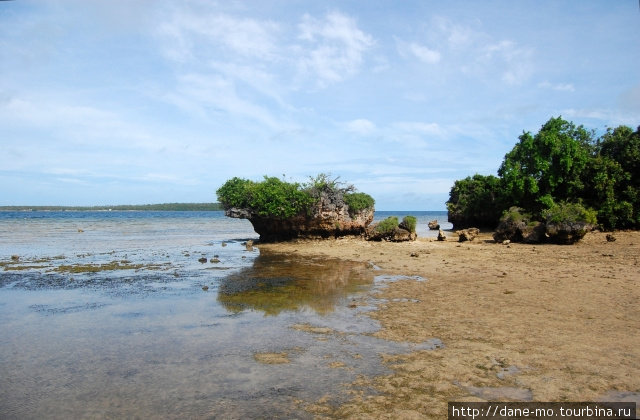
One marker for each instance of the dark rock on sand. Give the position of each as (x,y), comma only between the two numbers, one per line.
(566,233)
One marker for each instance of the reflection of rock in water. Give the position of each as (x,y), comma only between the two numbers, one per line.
(277,283)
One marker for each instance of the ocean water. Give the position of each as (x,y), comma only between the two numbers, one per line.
(170,315)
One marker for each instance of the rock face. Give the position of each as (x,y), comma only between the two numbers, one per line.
(434,225)
(520,231)
(533,232)
(328,219)
(566,233)
(467,234)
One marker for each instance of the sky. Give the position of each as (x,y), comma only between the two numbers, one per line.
(156,101)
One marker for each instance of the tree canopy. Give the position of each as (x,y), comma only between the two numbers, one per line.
(562,163)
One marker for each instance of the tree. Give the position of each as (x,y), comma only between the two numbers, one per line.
(547,167)
(563,164)
(612,184)
(476,201)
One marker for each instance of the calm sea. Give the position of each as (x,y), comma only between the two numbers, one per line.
(169,315)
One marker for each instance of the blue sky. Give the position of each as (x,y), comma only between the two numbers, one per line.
(152,101)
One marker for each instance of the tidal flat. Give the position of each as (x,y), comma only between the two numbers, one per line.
(517,322)
(156,317)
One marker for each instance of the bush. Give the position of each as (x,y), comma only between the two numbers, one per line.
(358,202)
(568,222)
(409,223)
(276,198)
(388,225)
(570,213)
(273,197)
(236,192)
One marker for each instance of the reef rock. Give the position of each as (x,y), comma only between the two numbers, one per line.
(467,234)
(566,233)
(520,231)
(434,225)
(441,235)
(329,218)
(398,234)
(517,226)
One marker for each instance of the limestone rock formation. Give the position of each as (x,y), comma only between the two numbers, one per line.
(329,218)
(441,235)
(566,233)
(396,235)
(517,226)
(520,231)
(390,230)
(467,234)
(434,225)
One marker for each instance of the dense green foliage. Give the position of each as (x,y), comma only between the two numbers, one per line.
(569,213)
(476,201)
(546,167)
(273,197)
(562,163)
(125,207)
(409,223)
(358,201)
(387,225)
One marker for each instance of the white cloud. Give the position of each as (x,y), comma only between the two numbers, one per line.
(610,117)
(212,94)
(199,34)
(421,52)
(362,127)
(333,48)
(419,128)
(562,87)
(515,62)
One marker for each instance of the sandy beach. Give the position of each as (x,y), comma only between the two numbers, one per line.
(518,322)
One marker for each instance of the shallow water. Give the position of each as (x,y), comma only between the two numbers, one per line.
(108,316)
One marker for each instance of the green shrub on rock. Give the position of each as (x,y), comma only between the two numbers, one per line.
(358,201)
(409,223)
(275,198)
(570,213)
(518,226)
(567,223)
(387,226)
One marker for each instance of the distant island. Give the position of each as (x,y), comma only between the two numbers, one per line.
(126,207)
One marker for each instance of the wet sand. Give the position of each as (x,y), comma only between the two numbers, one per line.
(518,322)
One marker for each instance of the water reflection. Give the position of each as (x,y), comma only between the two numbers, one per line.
(277,283)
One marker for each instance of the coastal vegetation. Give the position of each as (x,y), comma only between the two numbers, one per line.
(390,230)
(273,197)
(387,225)
(562,174)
